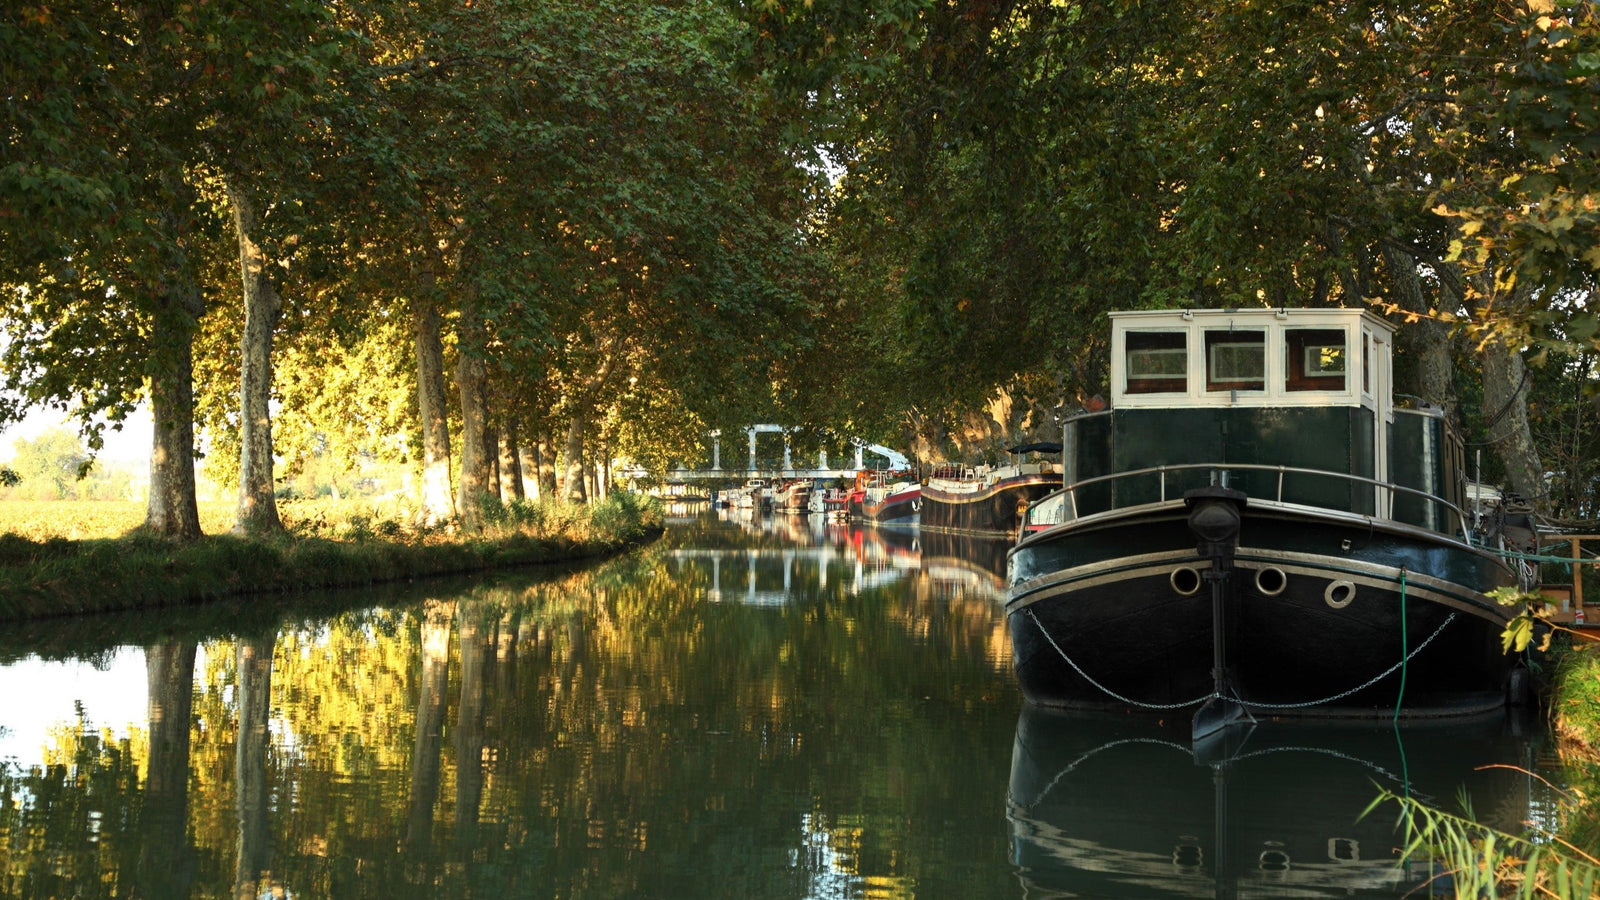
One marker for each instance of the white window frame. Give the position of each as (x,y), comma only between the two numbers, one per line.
(1263,375)
(1359,327)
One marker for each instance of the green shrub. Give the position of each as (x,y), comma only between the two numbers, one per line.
(1484,862)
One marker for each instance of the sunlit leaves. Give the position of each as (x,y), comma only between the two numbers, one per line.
(1526,208)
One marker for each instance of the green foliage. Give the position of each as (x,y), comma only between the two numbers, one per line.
(1526,209)
(52,464)
(1531,618)
(141,571)
(620,513)
(1577,687)
(1575,712)
(1483,862)
(673,218)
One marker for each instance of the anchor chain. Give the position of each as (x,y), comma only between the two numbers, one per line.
(1102,688)
(1250,703)
(1361,687)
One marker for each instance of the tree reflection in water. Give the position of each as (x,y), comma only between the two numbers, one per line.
(635,729)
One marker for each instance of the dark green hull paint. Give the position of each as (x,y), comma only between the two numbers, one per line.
(1423,456)
(1102,593)
(1336,439)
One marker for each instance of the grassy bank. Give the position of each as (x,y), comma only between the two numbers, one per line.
(45,573)
(1575,716)
(1556,856)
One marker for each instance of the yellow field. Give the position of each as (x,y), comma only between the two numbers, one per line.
(82,519)
(320,517)
(87,519)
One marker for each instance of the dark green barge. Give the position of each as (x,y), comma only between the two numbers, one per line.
(1256,526)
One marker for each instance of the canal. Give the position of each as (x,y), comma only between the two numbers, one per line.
(775,708)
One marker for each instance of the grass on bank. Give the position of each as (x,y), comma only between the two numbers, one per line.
(1575,716)
(1469,859)
(326,544)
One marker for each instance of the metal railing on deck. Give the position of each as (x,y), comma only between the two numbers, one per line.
(1063,505)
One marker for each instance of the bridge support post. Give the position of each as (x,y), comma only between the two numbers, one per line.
(752,433)
(716,452)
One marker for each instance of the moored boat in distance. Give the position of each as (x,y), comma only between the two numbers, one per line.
(832,502)
(985,499)
(886,498)
(793,497)
(754,495)
(1254,526)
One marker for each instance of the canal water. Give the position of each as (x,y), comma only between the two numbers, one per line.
(752,707)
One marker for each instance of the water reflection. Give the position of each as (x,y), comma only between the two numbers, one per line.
(750,708)
(617,731)
(786,557)
(1122,806)
(166,866)
(253,696)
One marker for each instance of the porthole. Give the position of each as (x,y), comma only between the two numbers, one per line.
(1185,581)
(1271,581)
(1339,594)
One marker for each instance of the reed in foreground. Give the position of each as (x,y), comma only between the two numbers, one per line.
(1474,860)
(58,576)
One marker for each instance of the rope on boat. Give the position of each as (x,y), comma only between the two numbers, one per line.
(1361,687)
(1539,557)
(1103,689)
(1241,701)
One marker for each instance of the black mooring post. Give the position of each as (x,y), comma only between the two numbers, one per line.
(1214,520)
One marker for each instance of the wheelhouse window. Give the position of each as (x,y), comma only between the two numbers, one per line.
(1317,359)
(1157,362)
(1236,360)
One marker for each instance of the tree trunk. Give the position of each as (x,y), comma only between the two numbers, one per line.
(438,504)
(511,465)
(505,656)
(530,469)
(528,457)
(429,728)
(171,509)
(574,461)
(165,864)
(472,381)
(491,452)
(547,468)
(477,654)
(253,672)
(1506,384)
(258,509)
(1425,344)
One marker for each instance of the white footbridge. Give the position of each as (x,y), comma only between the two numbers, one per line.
(883,457)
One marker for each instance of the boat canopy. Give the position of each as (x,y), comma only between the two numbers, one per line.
(1250,357)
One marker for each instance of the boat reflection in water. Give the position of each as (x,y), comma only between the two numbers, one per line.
(781,555)
(974,562)
(1111,805)
(861,558)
